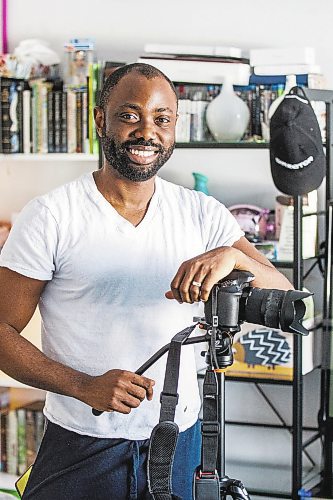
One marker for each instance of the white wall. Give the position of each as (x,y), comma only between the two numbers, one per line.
(121,28)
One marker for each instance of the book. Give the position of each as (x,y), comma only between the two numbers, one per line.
(21,441)
(11,442)
(85,140)
(308,80)
(26,106)
(287,69)
(50,121)
(40,89)
(195,57)
(204,50)
(57,120)
(71,121)
(34,421)
(4,408)
(281,56)
(63,123)
(3,439)
(187,71)
(79,123)
(11,115)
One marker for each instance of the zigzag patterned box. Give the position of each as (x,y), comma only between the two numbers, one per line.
(266,353)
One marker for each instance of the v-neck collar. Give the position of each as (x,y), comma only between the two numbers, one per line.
(123,225)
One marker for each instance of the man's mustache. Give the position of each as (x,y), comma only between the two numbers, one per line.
(141,142)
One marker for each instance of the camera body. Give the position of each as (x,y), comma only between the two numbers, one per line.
(233,301)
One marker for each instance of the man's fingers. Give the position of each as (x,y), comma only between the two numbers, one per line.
(185,286)
(176,282)
(207,286)
(150,393)
(142,381)
(144,384)
(196,287)
(137,391)
(131,401)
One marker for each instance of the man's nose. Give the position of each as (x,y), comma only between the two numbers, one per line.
(146,129)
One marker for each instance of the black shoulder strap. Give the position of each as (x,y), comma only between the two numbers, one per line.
(164,437)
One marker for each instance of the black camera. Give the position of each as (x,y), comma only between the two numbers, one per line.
(233,301)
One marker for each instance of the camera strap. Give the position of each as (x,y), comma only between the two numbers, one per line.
(163,440)
(210,426)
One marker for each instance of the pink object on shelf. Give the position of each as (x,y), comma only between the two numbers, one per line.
(4,27)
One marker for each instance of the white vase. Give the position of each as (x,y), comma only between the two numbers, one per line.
(227,116)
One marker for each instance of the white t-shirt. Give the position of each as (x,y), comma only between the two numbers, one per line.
(104,305)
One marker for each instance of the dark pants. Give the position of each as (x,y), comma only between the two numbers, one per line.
(74,467)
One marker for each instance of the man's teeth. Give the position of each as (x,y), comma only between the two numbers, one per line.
(141,152)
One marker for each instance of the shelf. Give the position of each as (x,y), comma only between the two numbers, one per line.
(250,379)
(289,264)
(257,380)
(7,482)
(270,480)
(49,157)
(6,381)
(227,145)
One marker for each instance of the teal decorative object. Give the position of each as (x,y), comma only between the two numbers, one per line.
(200,182)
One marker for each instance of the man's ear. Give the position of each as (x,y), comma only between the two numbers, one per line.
(99,120)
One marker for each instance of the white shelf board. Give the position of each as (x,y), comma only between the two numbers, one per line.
(7,481)
(6,381)
(48,157)
(270,479)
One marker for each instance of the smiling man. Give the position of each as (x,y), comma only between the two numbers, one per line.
(100,256)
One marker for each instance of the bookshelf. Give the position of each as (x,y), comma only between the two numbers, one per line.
(5,159)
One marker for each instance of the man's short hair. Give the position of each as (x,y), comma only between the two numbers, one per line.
(146,70)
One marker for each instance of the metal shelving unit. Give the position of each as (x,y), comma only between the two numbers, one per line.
(325,424)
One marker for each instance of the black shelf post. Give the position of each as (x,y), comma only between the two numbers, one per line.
(297,447)
(325,416)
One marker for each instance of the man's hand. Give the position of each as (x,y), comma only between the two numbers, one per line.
(205,269)
(196,277)
(117,390)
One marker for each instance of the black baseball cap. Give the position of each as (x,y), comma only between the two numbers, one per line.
(297,157)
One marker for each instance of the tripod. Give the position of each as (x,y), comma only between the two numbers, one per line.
(210,480)
(231,302)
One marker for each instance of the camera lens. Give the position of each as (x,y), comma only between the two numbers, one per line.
(274,308)
(263,307)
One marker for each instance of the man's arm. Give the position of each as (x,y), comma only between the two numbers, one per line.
(117,390)
(208,268)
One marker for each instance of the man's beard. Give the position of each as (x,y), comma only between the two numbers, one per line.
(116,156)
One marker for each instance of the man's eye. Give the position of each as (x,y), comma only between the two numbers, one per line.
(164,120)
(128,116)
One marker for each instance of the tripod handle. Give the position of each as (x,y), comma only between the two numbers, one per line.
(159,354)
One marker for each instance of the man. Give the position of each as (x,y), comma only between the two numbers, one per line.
(98,255)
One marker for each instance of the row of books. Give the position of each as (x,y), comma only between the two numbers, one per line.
(42,116)
(194,99)
(45,116)
(21,434)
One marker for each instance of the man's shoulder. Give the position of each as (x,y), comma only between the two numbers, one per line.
(68,192)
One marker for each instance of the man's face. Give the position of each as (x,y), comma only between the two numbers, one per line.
(138,129)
